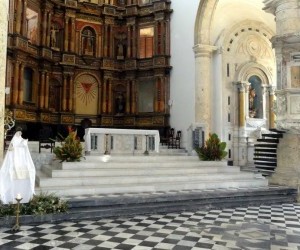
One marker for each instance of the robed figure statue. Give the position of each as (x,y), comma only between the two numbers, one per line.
(17,174)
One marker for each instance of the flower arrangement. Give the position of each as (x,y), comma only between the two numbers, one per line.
(213,150)
(71,149)
(40,204)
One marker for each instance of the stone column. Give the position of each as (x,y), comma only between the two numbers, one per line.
(3,56)
(247,86)
(105,40)
(271,107)
(242,117)
(203,94)
(264,101)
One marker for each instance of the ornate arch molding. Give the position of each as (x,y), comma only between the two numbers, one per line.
(246,28)
(204,19)
(245,71)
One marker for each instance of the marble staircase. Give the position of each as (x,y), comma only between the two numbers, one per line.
(130,174)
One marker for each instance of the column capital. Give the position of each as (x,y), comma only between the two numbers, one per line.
(204,50)
(271,89)
(242,86)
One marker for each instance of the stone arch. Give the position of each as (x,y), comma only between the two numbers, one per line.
(203,21)
(245,71)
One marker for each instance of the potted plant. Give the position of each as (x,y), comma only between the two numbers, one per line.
(70,149)
(213,150)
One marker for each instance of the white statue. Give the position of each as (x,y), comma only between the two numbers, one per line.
(17,174)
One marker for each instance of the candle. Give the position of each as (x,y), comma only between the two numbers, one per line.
(19,197)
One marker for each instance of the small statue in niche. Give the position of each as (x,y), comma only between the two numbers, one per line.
(252,110)
(120,54)
(120,104)
(53,32)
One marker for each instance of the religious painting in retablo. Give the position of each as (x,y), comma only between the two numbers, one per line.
(86,95)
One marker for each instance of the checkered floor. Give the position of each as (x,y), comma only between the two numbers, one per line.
(274,227)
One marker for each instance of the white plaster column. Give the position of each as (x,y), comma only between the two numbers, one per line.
(247,86)
(3,55)
(203,55)
(264,101)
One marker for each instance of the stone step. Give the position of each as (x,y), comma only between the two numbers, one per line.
(140,158)
(50,171)
(151,187)
(76,166)
(138,179)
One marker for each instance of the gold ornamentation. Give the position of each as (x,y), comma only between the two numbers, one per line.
(68,119)
(9,122)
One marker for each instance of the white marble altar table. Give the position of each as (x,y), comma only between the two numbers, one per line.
(121,132)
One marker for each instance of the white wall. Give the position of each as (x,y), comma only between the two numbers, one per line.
(182,85)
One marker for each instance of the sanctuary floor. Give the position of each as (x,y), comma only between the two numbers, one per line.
(275,227)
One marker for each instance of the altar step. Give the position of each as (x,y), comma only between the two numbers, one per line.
(125,174)
(129,204)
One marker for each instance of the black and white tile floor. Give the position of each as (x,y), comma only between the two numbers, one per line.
(274,227)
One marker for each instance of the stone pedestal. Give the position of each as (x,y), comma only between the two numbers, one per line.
(288,159)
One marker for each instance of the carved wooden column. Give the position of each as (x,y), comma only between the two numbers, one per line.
(271,107)
(73,39)
(111,47)
(104,100)
(129,41)
(128,97)
(49,30)
(99,98)
(156,91)
(44,27)
(110,97)
(66,37)
(42,90)
(15,91)
(46,105)
(24,19)
(134,35)
(162,37)
(21,85)
(19,16)
(156,34)
(64,101)
(71,97)
(133,100)
(105,40)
